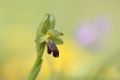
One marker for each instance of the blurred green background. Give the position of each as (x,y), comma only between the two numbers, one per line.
(19,20)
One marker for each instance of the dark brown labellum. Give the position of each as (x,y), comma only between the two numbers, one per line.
(51,47)
(56,53)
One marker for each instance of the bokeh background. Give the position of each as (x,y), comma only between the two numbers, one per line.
(19,20)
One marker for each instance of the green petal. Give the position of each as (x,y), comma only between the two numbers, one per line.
(58,41)
(55,32)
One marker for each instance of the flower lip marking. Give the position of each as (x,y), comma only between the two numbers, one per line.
(51,47)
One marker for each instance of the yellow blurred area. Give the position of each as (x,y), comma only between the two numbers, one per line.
(22,53)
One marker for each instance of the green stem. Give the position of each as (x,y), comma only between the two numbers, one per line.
(37,66)
(35,69)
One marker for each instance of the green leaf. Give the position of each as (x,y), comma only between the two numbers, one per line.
(58,41)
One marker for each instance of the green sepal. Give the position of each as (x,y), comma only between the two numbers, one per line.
(48,22)
(40,38)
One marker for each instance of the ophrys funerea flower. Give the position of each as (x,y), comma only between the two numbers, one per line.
(45,35)
(53,38)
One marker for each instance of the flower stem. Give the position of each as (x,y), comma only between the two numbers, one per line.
(37,66)
(35,69)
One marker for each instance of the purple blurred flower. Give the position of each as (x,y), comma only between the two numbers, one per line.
(92,34)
